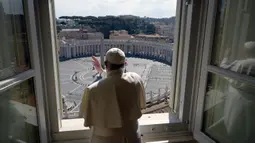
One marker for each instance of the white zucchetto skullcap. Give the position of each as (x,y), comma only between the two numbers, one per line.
(115,56)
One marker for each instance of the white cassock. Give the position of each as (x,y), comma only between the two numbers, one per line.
(239,112)
(112,106)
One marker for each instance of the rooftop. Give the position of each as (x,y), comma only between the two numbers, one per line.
(150,36)
(69,30)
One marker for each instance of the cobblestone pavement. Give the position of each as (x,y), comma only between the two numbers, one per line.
(77,74)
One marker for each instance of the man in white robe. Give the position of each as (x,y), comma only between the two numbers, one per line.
(112,106)
(239,112)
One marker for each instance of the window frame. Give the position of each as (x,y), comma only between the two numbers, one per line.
(187,71)
(177,37)
(48,57)
(38,84)
(191,60)
(207,46)
(208,68)
(33,73)
(186,42)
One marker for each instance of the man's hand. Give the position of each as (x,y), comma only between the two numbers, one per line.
(97,64)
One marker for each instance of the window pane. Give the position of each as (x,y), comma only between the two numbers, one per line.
(229,110)
(234,43)
(14,51)
(18,120)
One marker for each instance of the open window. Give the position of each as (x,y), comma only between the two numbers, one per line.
(21,92)
(226,102)
(156,58)
(147,43)
(174,125)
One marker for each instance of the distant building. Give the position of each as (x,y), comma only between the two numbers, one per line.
(120,35)
(165,30)
(89,28)
(95,35)
(154,37)
(81,34)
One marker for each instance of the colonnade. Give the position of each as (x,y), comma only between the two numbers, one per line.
(132,48)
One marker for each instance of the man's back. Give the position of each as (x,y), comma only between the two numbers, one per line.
(112,105)
(128,87)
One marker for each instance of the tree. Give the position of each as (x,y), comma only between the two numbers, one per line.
(150,29)
(63,23)
(64,17)
(90,17)
(104,24)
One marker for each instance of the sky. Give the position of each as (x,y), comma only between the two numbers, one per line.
(148,8)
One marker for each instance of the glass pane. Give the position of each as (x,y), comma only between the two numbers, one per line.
(234,43)
(14,51)
(229,110)
(18,120)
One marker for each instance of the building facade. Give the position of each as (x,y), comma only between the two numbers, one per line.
(120,35)
(146,49)
(153,38)
(81,34)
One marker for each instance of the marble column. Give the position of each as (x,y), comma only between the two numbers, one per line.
(165,54)
(86,50)
(75,51)
(102,51)
(90,52)
(64,51)
(141,48)
(83,50)
(136,51)
(93,49)
(78,50)
(149,50)
(153,50)
(72,52)
(67,52)
(80,53)
(125,48)
(144,50)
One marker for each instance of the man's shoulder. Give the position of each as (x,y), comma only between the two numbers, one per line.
(133,74)
(93,85)
(98,84)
